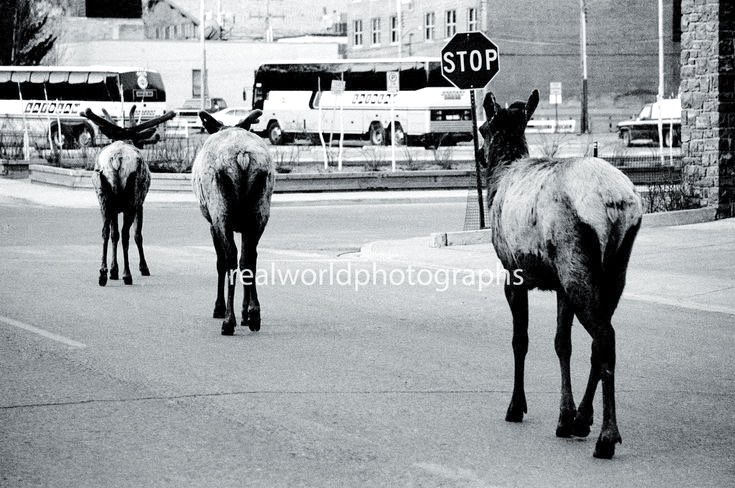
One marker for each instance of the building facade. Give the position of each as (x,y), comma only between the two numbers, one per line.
(243,19)
(539,42)
(96,20)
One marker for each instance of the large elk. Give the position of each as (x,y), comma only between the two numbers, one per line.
(121,179)
(569,226)
(233,177)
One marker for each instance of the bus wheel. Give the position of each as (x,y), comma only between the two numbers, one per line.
(84,136)
(400,135)
(275,134)
(59,140)
(627,140)
(376,134)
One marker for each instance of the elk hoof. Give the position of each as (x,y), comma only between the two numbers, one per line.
(581,424)
(103,278)
(565,427)
(516,409)
(113,274)
(253,321)
(128,280)
(605,447)
(144,270)
(228,327)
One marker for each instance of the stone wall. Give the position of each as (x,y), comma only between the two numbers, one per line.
(708,102)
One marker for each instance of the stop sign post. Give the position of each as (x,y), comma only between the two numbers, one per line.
(469,61)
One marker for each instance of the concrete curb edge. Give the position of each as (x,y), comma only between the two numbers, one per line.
(659,219)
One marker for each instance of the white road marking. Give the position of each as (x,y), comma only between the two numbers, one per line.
(681,303)
(41,332)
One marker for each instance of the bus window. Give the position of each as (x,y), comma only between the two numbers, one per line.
(8,89)
(76,88)
(31,90)
(113,89)
(56,87)
(97,88)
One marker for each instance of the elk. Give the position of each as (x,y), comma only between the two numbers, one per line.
(569,226)
(233,177)
(121,179)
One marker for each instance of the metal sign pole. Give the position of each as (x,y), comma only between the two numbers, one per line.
(341,129)
(321,132)
(477,162)
(392,81)
(470,61)
(393,138)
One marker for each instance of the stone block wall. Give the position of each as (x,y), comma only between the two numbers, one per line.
(708,102)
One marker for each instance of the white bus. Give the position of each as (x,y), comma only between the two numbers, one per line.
(296,101)
(46,101)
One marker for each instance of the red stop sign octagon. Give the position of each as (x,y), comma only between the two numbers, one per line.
(469,60)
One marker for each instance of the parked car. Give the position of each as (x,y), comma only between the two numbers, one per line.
(188,114)
(645,125)
(232,115)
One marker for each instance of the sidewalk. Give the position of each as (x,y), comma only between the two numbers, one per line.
(688,266)
(57,196)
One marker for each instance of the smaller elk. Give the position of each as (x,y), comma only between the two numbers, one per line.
(121,179)
(233,177)
(569,226)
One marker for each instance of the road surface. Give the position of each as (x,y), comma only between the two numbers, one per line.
(384,386)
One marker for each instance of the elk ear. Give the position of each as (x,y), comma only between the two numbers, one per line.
(531,104)
(131,116)
(211,125)
(252,118)
(489,105)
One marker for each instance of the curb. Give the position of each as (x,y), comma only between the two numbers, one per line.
(285,183)
(679,217)
(659,219)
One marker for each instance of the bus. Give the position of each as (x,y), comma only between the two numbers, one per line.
(45,101)
(296,100)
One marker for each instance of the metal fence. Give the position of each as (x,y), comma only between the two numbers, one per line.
(644,171)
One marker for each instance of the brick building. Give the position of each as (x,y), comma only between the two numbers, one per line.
(538,41)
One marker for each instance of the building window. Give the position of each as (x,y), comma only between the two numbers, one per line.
(451,23)
(429,26)
(394,29)
(357,33)
(472,24)
(375,30)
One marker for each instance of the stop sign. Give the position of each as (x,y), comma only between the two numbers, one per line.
(469,60)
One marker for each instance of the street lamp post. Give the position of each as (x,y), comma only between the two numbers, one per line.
(584,122)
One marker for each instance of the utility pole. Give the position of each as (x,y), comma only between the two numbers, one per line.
(268,25)
(203,88)
(584,125)
(483,13)
(399,27)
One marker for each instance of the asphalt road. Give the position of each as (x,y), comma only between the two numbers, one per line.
(385,386)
